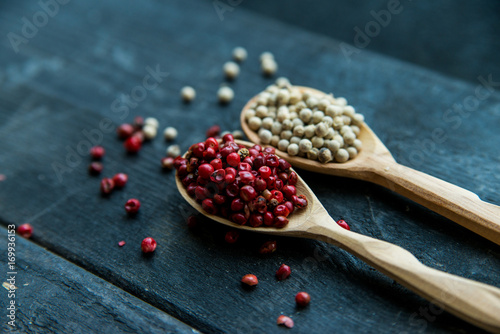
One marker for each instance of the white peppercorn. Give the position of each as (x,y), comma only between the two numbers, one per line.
(261,111)
(294,115)
(293,110)
(297,121)
(352,152)
(323,103)
(274,140)
(293,149)
(332,145)
(295,96)
(231,70)
(349,111)
(263,98)
(287,134)
(317,116)
(338,122)
(302,154)
(265,136)
(349,137)
(272,89)
(306,95)
(283,145)
(283,82)
(238,134)
(152,121)
(342,155)
(321,129)
(344,129)
(339,139)
(298,130)
(358,118)
(283,113)
(225,94)
(330,133)
(327,120)
(266,55)
(325,155)
(309,131)
(305,145)
(269,66)
(254,123)
(149,131)
(249,113)
(312,102)
(283,96)
(295,140)
(170,133)
(305,115)
(267,123)
(239,54)
(333,110)
(188,93)
(357,144)
(347,119)
(313,154)
(317,142)
(355,129)
(340,101)
(287,124)
(300,105)
(276,128)
(173,151)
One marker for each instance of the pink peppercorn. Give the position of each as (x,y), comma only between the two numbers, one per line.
(25,230)
(133,144)
(250,280)
(121,243)
(95,168)
(231,237)
(107,186)
(283,320)
(343,224)
(283,272)
(268,247)
(213,131)
(97,152)
(120,180)
(148,245)
(124,131)
(132,206)
(302,299)
(192,221)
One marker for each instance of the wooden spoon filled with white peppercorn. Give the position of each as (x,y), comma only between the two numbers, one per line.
(472,301)
(373,162)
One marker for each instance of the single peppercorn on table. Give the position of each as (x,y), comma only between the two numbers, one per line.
(82,270)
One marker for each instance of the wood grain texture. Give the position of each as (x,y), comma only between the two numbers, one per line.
(66,79)
(54,296)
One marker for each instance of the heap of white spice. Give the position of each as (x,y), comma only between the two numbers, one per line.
(314,126)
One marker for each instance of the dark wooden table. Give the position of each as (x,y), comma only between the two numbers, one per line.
(80,74)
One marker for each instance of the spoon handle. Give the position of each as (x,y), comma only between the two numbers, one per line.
(475,302)
(455,203)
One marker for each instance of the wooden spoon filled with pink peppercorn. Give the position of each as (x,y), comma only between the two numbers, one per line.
(230,201)
(371,161)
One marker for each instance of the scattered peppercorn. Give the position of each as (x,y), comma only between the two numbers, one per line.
(132,144)
(343,224)
(225,94)
(283,272)
(132,206)
(95,168)
(148,245)
(120,180)
(268,247)
(25,230)
(170,133)
(124,131)
(213,131)
(173,151)
(167,163)
(192,221)
(231,70)
(107,186)
(302,299)
(283,320)
(250,280)
(232,236)
(121,243)
(239,54)
(151,121)
(97,152)
(188,93)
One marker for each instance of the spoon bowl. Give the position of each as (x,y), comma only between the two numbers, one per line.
(472,301)
(374,163)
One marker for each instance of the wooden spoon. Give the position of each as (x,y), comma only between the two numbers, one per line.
(472,301)
(375,164)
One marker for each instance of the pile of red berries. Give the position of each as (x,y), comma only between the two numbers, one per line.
(248,186)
